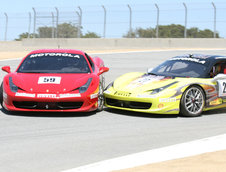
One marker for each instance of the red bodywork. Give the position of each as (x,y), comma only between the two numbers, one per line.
(64,97)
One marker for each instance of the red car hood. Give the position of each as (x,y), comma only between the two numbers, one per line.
(51,83)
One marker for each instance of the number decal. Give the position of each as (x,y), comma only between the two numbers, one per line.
(224,89)
(49,80)
(52,80)
(221,88)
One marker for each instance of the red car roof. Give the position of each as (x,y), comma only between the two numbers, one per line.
(57,51)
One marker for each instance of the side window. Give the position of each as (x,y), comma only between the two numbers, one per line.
(90,62)
(217,69)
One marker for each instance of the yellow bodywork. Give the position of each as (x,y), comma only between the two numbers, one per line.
(162,93)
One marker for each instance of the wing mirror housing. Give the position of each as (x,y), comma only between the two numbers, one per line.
(6,69)
(102,70)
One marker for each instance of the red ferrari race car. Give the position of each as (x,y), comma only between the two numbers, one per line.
(54,80)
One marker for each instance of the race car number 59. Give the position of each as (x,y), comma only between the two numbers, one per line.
(49,80)
(222,88)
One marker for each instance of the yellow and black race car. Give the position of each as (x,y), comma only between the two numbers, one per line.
(187,84)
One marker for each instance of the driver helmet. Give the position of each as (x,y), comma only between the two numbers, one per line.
(216,69)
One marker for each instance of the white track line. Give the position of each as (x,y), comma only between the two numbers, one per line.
(182,150)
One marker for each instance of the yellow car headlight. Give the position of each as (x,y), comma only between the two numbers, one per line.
(157,90)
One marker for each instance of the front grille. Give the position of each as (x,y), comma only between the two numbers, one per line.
(47,105)
(69,105)
(128,104)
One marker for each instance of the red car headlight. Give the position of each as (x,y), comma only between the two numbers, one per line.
(12,86)
(84,88)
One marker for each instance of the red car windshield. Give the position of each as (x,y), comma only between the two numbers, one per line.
(54,63)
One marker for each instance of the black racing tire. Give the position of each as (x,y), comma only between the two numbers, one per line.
(192,101)
(1,95)
(100,102)
(1,101)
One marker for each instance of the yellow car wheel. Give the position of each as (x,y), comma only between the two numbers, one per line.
(192,102)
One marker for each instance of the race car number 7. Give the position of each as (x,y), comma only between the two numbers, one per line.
(222,88)
(49,80)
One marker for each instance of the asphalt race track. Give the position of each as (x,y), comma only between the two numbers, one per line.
(60,141)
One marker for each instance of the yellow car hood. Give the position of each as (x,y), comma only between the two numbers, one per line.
(137,82)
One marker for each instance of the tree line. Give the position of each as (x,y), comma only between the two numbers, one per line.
(171,31)
(67,30)
(64,30)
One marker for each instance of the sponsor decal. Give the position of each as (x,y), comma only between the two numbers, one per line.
(125,94)
(69,95)
(168,99)
(144,80)
(58,96)
(24,95)
(190,59)
(201,56)
(216,102)
(46,96)
(49,80)
(55,54)
(93,96)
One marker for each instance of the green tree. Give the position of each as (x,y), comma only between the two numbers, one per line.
(90,35)
(25,35)
(145,33)
(171,31)
(192,32)
(67,30)
(45,32)
(206,34)
(133,34)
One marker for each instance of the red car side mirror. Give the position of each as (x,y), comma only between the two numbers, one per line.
(102,70)
(6,69)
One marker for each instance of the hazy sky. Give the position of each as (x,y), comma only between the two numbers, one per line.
(144,15)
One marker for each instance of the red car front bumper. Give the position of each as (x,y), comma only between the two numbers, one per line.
(43,102)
